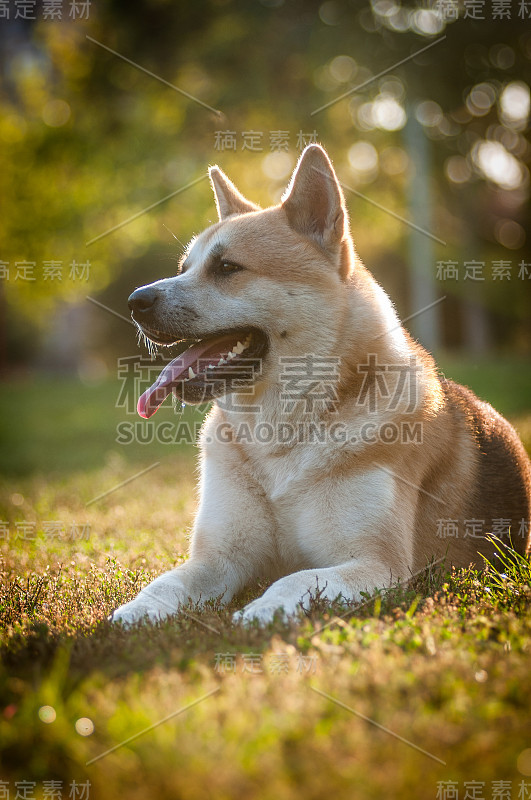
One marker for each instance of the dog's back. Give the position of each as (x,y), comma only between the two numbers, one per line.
(484,472)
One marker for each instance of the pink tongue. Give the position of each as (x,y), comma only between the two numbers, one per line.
(177,370)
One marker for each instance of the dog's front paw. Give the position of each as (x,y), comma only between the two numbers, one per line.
(155,603)
(263,612)
(139,610)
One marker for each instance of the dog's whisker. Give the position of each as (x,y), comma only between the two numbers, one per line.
(143,339)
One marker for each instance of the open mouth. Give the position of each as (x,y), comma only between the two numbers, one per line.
(216,365)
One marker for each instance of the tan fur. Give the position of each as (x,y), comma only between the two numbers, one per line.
(345,517)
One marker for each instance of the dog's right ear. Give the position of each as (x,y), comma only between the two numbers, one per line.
(228,199)
(313,202)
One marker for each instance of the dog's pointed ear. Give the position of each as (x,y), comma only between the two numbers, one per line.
(228,199)
(313,202)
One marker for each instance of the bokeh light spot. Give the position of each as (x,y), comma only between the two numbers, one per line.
(457,169)
(509,233)
(515,103)
(56,113)
(497,164)
(84,726)
(277,165)
(523,762)
(47,714)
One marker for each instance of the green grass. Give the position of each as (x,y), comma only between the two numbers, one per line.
(442,662)
(59,425)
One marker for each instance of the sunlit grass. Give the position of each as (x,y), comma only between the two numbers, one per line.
(442,662)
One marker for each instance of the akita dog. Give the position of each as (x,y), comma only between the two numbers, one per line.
(335,459)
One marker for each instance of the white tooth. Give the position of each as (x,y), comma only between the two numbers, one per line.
(221,361)
(230,356)
(191,373)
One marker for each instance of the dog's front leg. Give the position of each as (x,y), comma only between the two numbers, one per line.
(292,594)
(229,547)
(365,543)
(192,583)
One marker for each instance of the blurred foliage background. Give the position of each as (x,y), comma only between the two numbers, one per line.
(89,140)
(109,118)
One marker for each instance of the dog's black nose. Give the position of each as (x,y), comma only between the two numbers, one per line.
(142,300)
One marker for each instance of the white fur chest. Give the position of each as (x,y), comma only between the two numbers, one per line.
(318,518)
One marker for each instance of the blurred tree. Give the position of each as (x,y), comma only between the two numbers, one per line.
(89,140)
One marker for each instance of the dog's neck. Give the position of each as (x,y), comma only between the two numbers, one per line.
(369,338)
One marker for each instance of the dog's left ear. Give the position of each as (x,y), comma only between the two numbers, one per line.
(314,202)
(228,199)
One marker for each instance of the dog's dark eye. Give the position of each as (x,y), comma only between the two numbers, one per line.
(227,268)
